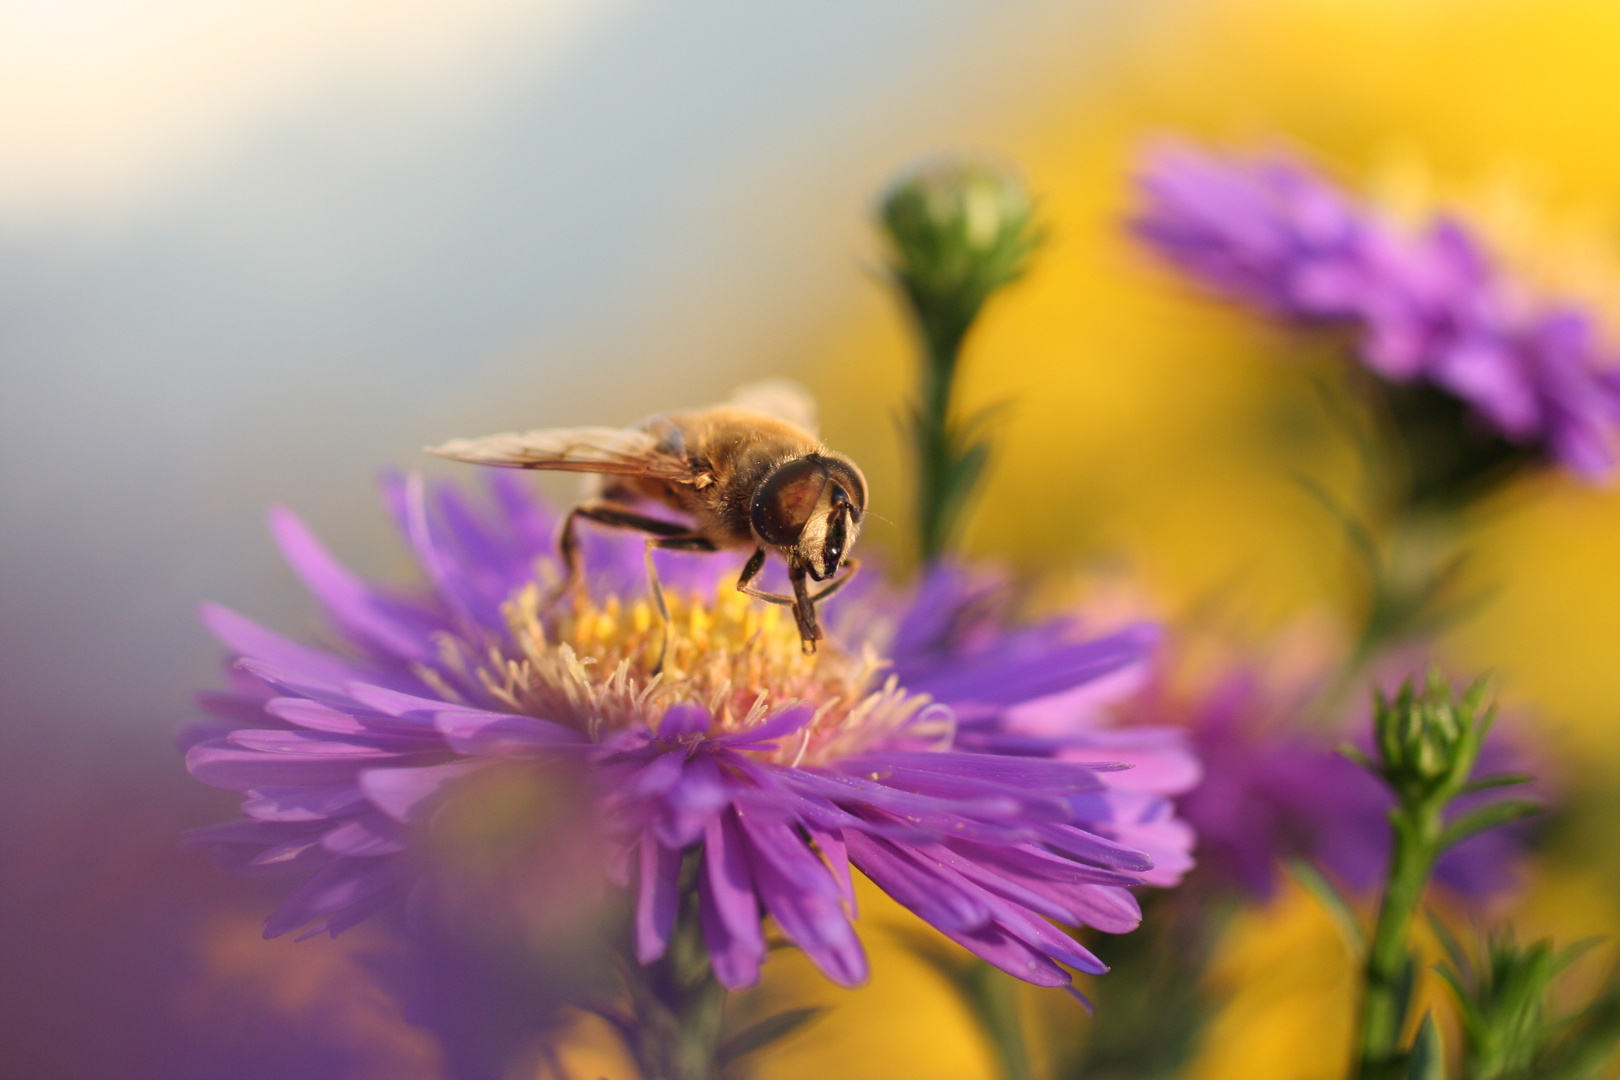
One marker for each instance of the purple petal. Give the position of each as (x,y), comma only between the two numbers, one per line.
(341,884)
(831,846)
(657,899)
(364,837)
(1034,774)
(1033,865)
(994,945)
(692,804)
(220,764)
(684,719)
(1005,904)
(1088,901)
(474,611)
(356,608)
(1005,888)
(658,776)
(1079,844)
(933,900)
(928,811)
(304,803)
(800,894)
(533,527)
(470,730)
(782,724)
(403,793)
(248,639)
(988,800)
(994,681)
(729,910)
(356,720)
(316,743)
(490,734)
(294,685)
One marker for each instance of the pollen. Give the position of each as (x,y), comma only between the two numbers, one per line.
(591,663)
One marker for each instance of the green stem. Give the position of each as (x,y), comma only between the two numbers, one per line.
(1411,566)
(678,1002)
(1389,972)
(994,996)
(935,441)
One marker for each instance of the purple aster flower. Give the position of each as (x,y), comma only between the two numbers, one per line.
(774,774)
(1429,308)
(1275,791)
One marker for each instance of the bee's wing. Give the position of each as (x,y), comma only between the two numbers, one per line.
(781,398)
(619,451)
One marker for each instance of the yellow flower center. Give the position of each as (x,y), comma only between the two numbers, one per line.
(591,665)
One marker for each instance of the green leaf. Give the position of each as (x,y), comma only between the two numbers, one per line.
(1355,754)
(1329,896)
(975,424)
(1575,950)
(1427,1060)
(1487,817)
(1404,987)
(1497,781)
(760,1035)
(1454,949)
(1361,538)
(1590,1044)
(965,471)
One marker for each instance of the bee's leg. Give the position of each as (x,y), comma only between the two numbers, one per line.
(801,602)
(851,566)
(751,569)
(804,608)
(606,513)
(687,542)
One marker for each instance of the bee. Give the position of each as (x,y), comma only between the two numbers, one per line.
(747,473)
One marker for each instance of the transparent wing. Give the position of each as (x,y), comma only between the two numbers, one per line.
(781,398)
(619,451)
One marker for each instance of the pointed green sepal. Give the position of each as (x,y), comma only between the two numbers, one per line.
(1487,817)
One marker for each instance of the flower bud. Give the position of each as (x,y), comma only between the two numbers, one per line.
(1429,739)
(958,229)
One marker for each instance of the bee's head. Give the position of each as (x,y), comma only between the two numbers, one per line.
(810,508)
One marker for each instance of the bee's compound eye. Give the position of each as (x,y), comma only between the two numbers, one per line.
(849,486)
(785,501)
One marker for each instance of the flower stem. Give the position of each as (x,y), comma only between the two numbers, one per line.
(994,997)
(940,496)
(957,231)
(1427,742)
(678,1003)
(1389,969)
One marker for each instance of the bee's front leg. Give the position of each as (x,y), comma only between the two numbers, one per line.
(802,600)
(852,566)
(750,570)
(804,607)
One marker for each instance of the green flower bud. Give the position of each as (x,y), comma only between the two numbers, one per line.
(1428,739)
(957,230)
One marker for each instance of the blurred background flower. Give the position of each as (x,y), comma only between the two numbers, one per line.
(250,254)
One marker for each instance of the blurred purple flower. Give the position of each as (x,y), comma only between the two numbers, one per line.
(1273,792)
(1272,232)
(784,770)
